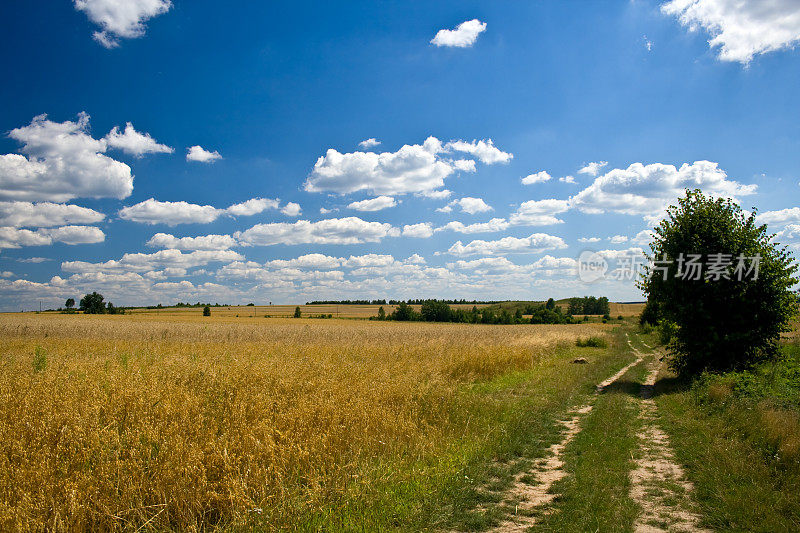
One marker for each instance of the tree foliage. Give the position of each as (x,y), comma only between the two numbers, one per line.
(720,324)
(92,304)
(589,305)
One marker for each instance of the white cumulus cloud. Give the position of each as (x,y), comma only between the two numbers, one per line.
(535,243)
(61,161)
(779,217)
(201,155)
(647,189)
(253,206)
(468,205)
(413,168)
(46,214)
(291,209)
(135,143)
(539,212)
(373,204)
(369,143)
(121,18)
(152,211)
(539,177)
(463,36)
(741,29)
(484,150)
(493,226)
(203,242)
(17,238)
(593,169)
(349,230)
(423,230)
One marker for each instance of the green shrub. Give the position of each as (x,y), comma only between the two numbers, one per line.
(591,342)
(39,360)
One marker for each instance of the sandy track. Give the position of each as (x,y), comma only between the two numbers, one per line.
(524,496)
(658,483)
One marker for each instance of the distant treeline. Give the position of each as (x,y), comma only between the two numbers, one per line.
(588,305)
(440,311)
(396,302)
(180,304)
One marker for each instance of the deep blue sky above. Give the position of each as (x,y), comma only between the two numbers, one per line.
(273,86)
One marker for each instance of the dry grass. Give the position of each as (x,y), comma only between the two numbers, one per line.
(186,423)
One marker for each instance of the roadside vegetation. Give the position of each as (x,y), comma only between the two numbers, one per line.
(732,402)
(738,433)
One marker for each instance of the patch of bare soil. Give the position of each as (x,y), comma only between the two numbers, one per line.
(658,483)
(531,493)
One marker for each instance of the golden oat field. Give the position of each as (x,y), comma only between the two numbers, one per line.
(150,422)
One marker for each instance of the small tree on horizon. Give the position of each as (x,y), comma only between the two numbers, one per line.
(70,303)
(207,311)
(722,322)
(297,313)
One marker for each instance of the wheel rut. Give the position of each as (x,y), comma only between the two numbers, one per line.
(658,483)
(531,490)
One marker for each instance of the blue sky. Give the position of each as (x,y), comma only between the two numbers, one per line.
(609,109)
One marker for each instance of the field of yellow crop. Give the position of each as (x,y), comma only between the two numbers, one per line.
(164,422)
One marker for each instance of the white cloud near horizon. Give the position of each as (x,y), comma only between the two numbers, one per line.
(741,29)
(463,36)
(143,262)
(201,155)
(121,19)
(349,230)
(535,243)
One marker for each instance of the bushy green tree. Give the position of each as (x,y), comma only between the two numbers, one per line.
(92,304)
(207,311)
(404,312)
(435,311)
(297,313)
(727,322)
(70,303)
